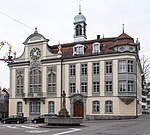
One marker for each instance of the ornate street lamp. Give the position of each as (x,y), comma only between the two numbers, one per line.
(10,55)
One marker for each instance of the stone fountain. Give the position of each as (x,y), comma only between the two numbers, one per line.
(63,118)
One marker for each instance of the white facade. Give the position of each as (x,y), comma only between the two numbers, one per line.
(101,81)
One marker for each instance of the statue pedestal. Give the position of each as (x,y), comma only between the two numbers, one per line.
(63,113)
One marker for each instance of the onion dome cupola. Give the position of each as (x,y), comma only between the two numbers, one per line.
(80,27)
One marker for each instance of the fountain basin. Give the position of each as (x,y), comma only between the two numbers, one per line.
(64,121)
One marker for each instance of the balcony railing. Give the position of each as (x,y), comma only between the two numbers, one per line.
(34,95)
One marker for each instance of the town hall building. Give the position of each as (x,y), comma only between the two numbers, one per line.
(101,77)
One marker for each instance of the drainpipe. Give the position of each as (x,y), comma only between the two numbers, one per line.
(136,88)
(61,80)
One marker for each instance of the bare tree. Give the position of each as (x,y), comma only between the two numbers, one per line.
(145,63)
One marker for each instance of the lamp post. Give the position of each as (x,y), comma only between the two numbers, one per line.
(10,55)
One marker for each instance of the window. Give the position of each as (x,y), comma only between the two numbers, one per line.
(122,86)
(78,30)
(122,66)
(19,107)
(35,79)
(72,87)
(95,68)
(96,48)
(96,107)
(83,69)
(121,49)
(130,66)
(108,107)
(51,107)
(51,83)
(84,87)
(78,49)
(34,107)
(109,67)
(108,86)
(72,70)
(130,86)
(95,87)
(19,82)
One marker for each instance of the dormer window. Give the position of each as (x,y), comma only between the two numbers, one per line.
(78,49)
(96,48)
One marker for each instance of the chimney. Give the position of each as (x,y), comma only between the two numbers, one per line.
(98,37)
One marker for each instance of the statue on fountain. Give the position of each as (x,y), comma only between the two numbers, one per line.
(63,112)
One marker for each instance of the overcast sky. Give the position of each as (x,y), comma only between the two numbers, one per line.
(54,19)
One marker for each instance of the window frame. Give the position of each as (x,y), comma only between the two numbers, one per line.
(19,107)
(84,69)
(108,67)
(72,69)
(51,107)
(84,87)
(34,107)
(96,87)
(122,86)
(96,47)
(96,106)
(108,87)
(108,106)
(96,68)
(72,88)
(78,49)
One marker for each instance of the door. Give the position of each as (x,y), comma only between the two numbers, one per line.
(78,109)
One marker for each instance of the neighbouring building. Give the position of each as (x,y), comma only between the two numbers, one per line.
(4,103)
(101,77)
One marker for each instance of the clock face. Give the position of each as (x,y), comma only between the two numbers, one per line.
(35,53)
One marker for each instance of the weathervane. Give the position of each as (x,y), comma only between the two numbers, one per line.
(79,6)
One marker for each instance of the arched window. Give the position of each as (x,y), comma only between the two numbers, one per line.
(51,80)
(19,107)
(51,107)
(96,47)
(35,81)
(78,30)
(108,106)
(96,107)
(19,82)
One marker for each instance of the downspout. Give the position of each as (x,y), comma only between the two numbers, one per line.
(61,79)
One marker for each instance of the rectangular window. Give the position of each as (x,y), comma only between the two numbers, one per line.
(108,87)
(83,69)
(72,70)
(72,87)
(122,66)
(108,67)
(130,66)
(130,86)
(95,87)
(84,87)
(34,107)
(122,86)
(95,68)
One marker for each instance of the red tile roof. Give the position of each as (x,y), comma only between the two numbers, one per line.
(107,45)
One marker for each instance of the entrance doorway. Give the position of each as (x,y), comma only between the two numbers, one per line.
(78,109)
